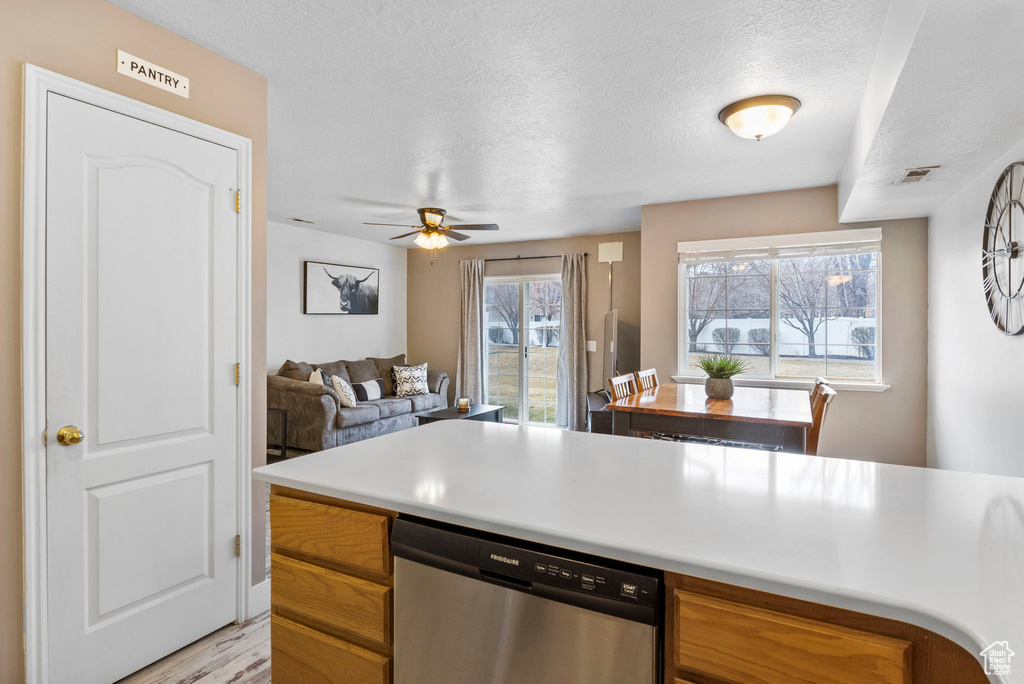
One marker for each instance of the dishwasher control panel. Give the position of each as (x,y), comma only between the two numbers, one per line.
(573,575)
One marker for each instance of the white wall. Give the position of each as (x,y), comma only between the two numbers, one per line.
(318,339)
(975,373)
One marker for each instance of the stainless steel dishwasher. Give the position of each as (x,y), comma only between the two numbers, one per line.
(475,609)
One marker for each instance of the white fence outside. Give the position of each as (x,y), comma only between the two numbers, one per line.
(498,333)
(792,342)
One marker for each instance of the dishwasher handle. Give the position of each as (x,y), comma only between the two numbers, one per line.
(506,581)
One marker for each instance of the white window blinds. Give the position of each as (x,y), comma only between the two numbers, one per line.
(835,242)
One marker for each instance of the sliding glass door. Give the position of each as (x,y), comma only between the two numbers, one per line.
(522,319)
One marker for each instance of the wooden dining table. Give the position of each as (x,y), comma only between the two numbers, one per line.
(758,415)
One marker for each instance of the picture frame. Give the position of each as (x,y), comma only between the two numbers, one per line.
(330,289)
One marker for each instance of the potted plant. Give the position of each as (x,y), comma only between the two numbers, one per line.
(720,370)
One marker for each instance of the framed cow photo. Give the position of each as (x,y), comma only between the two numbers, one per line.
(339,289)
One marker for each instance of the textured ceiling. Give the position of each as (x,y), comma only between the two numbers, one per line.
(549,118)
(957,104)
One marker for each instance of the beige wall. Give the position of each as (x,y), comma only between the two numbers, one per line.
(79,38)
(887,427)
(433,331)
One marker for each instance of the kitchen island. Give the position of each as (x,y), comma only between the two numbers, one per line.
(915,570)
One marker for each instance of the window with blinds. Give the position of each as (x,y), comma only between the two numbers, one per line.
(794,306)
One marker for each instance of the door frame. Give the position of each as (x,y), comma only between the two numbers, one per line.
(523,408)
(38,83)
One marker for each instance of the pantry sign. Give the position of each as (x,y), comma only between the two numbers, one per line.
(147,72)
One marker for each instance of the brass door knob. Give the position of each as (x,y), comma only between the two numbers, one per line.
(68,435)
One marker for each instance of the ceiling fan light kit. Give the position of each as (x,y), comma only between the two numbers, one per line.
(758,117)
(430,234)
(431,240)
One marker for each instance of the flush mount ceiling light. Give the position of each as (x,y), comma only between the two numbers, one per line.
(761,116)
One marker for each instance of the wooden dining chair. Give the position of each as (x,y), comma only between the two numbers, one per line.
(818,413)
(816,392)
(622,386)
(647,379)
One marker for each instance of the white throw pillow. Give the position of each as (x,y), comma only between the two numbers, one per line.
(316,377)
(346,394)
(410,381)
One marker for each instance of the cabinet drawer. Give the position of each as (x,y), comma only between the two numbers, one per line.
(300,655)
(348,603)
(751,645)
(354,538)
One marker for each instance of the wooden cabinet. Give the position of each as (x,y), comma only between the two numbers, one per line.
(330,590)
(723,634)
(300,655)
(739,642)
(326,531)
(352,605)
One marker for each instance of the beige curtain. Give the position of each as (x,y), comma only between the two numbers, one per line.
(471,377)
(571,387)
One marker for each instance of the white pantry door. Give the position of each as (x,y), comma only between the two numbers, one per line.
(140,351)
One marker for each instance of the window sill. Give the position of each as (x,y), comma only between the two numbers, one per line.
(778,383)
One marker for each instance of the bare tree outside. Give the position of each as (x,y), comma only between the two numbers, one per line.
(503,300)
(705,296)
(802,298)
(814,290)
(546,301)
(826,310)
(852,282)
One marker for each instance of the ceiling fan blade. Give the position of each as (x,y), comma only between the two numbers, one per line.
(397,225)
(375,203)
(457,236)
(477,226)
(399,237)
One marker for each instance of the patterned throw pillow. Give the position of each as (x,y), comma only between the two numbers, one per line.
(369,390)
(346,395)
(318,377)
(410,380)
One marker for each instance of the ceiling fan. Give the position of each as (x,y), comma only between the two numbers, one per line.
(431,233)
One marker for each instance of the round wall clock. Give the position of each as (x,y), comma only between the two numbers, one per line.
(1002,251)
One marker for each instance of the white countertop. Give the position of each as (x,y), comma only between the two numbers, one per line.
(940,549)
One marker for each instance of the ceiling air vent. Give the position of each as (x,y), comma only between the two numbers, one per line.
(300,220)
(914,175)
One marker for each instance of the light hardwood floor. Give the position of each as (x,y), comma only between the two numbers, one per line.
(239,654)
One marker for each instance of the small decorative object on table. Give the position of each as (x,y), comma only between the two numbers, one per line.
(484,413)
(463,403)
(720,370)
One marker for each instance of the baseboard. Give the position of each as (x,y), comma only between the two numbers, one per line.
(259,598)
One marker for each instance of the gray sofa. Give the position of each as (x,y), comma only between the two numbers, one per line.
(316,419)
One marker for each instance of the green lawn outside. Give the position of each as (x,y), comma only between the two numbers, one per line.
(503,381)
(804,367)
